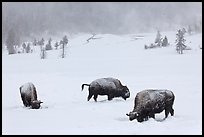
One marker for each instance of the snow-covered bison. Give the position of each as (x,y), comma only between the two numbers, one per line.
(107,86)
(151,101)
(29,96)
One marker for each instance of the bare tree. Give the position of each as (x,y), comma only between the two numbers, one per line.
(92,37)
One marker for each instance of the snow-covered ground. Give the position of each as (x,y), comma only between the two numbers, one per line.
(66,110)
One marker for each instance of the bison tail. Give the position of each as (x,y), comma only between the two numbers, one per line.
(82,86)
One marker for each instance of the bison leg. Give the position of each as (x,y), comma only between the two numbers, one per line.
(89,97)
(95,97)
(166,113)
(152,115)
(172,111)
(146,118)
(110,97)
(25,103)
(167,110)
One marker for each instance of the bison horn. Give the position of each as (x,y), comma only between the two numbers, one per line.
(128,114)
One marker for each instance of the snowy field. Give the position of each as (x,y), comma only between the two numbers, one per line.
(66,110)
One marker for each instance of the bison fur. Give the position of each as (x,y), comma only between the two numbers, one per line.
(149,102)
(107,86)
(29,96)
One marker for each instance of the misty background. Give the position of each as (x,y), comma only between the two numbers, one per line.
(33,18)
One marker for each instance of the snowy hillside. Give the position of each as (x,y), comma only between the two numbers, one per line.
(66,110)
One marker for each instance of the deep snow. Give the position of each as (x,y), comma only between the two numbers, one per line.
(66,110)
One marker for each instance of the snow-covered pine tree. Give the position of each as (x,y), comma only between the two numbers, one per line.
(28,48)
(43,53)
(35,42)
(41,42)
(158,39)
(24,47)
(165,42)
(48,45)
(180,46)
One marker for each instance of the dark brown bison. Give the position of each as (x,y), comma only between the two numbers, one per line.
(107,86)
(149,102)
(29,96)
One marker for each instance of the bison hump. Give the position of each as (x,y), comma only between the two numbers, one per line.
(147,96)
(104,83)
(156,94)
(27,88)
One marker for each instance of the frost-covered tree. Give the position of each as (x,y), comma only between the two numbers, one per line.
(165,42)
(56,45)
(64,42)
(184,30)
(158,39)
(180,46)
(24,47)
(41,42)
(43,53)
(28,48)
(11,40)
(189,30)
(35,42)
(48,45)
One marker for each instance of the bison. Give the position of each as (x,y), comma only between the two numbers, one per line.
(29,96)
(107,86)
(152,101)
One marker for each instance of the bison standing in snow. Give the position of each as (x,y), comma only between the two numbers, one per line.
(107,86)
(29,96)
(149,102)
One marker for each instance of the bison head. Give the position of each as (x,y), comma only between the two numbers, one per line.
(132,115)
(36,104)
(126,92)
(135,115)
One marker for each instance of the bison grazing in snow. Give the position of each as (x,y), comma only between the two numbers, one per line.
(149,102)
(107,86)
(29,96)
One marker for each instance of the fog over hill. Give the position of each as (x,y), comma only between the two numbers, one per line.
(97,17)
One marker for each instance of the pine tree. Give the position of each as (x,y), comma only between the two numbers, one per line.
(41,42)
(43,53)
(158,39)
(180,46)
(165,42)
(28,48)
(35,42)
(24,47)
(48,46)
